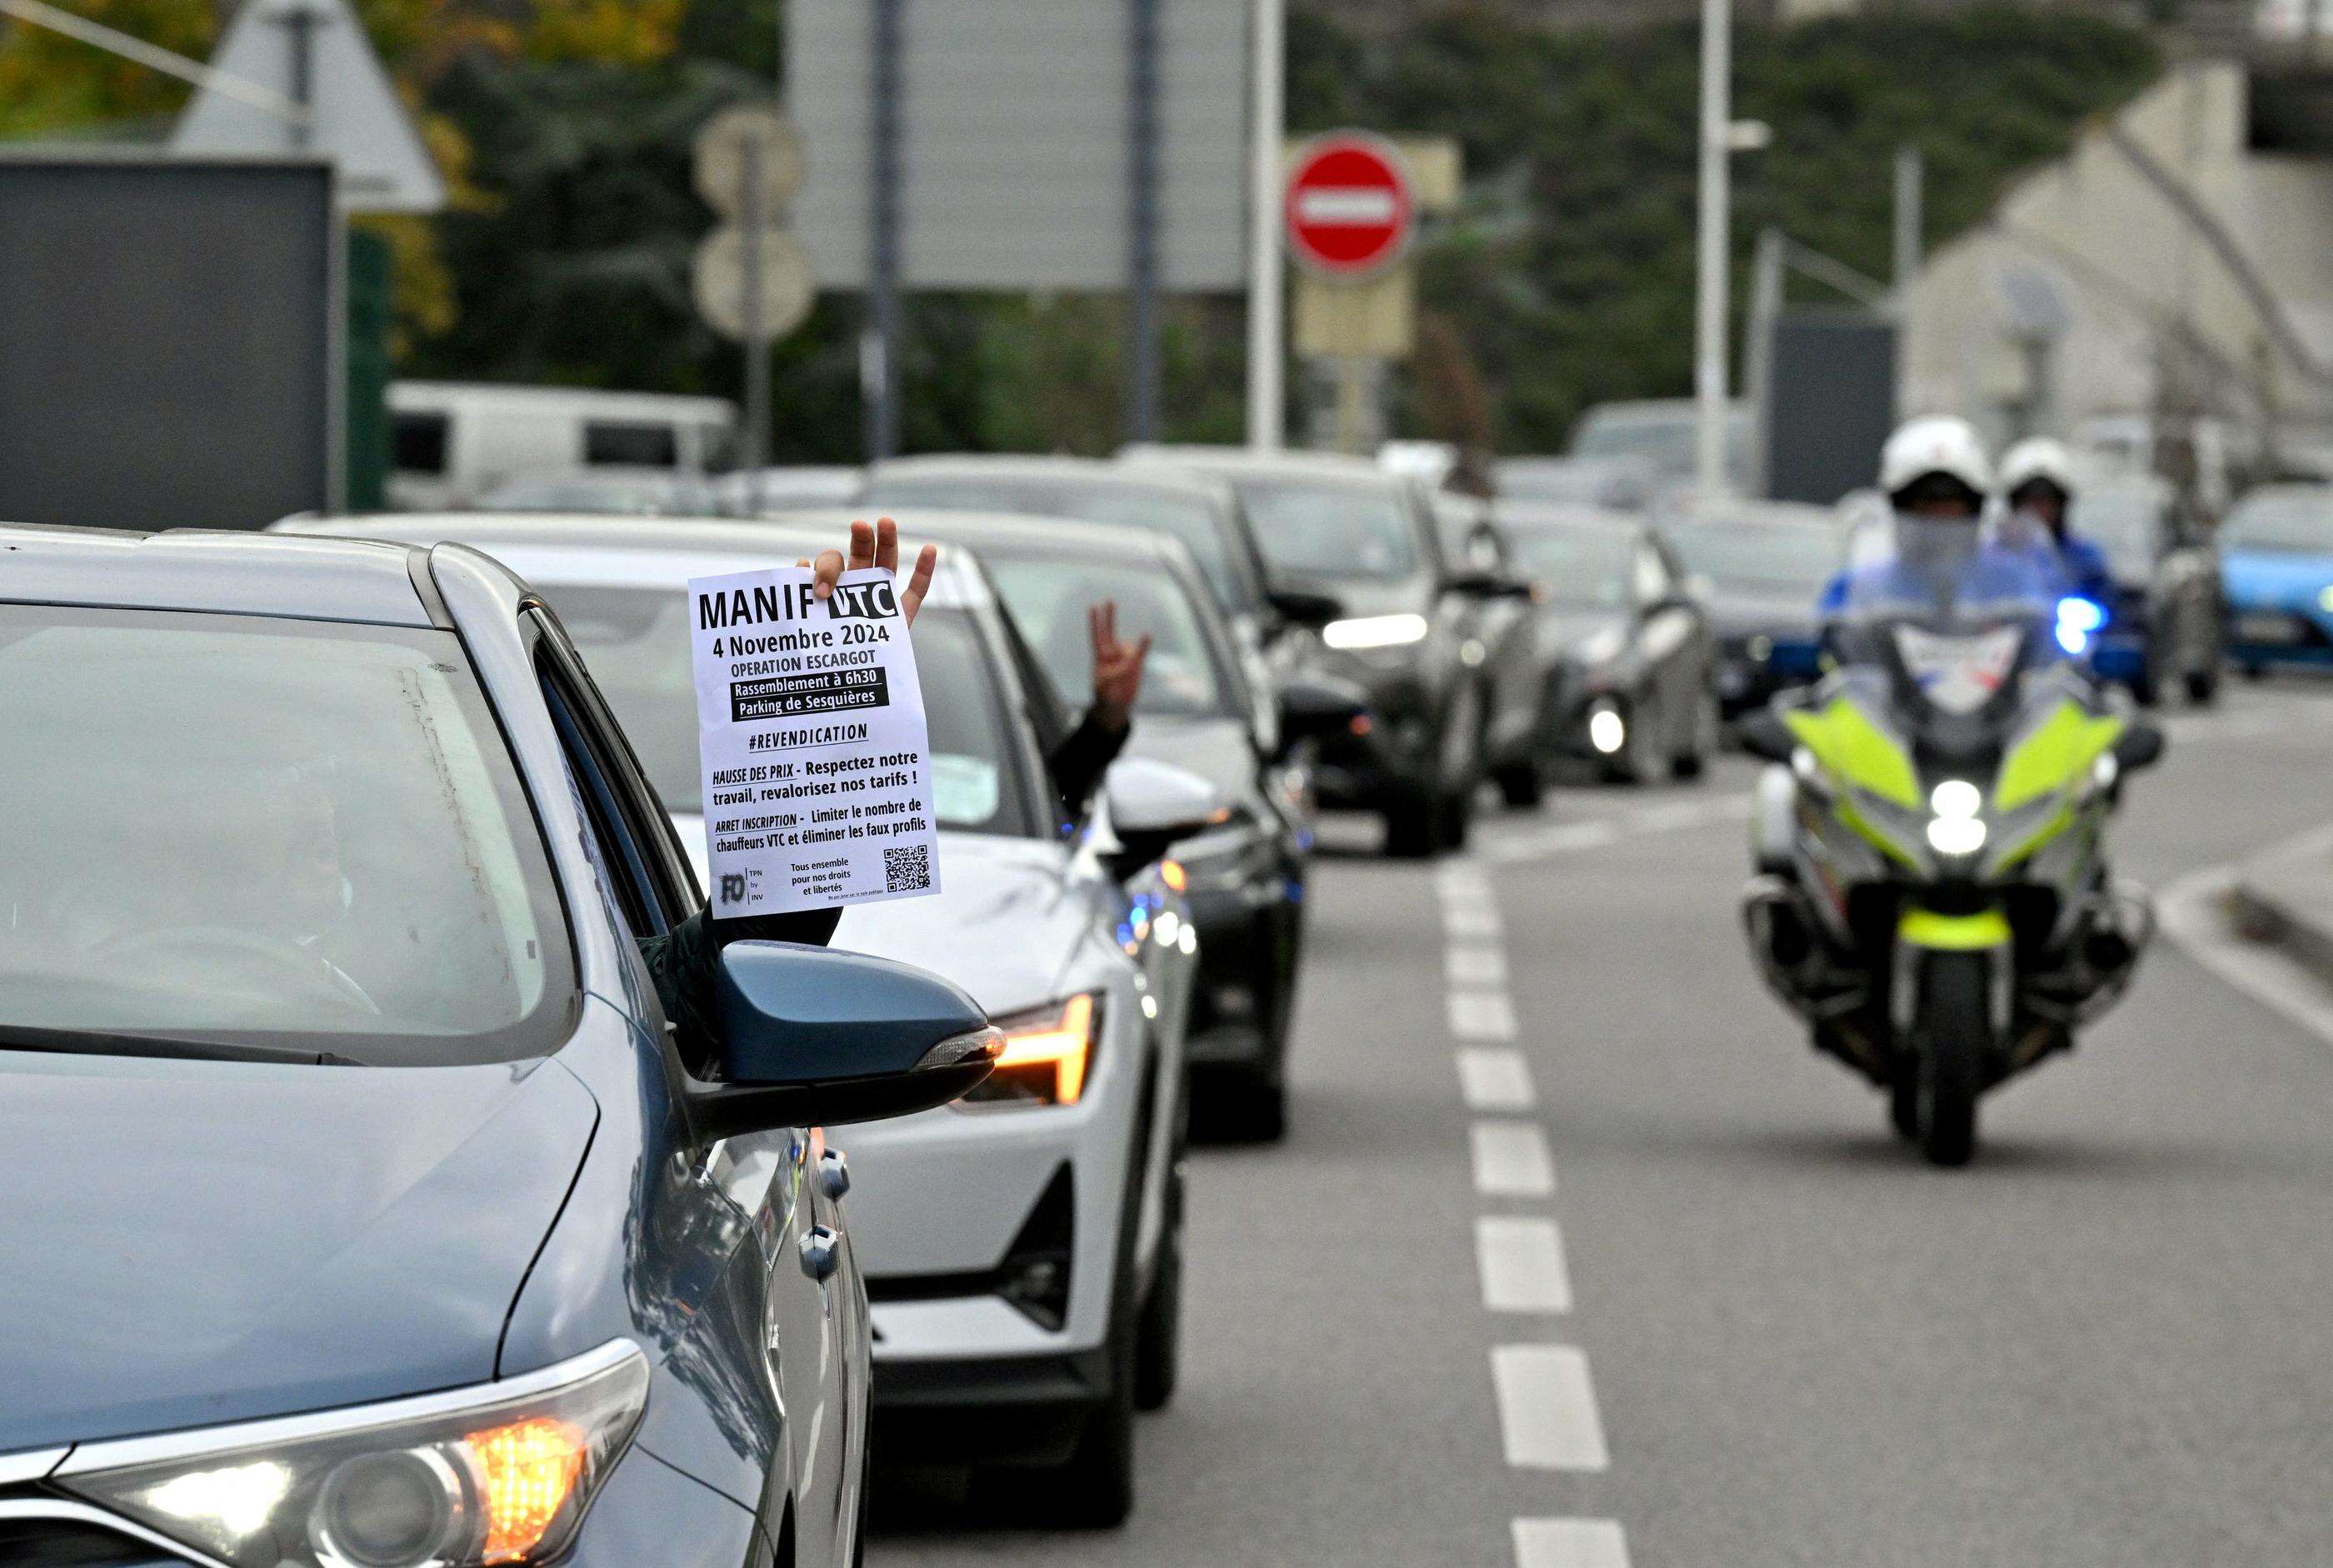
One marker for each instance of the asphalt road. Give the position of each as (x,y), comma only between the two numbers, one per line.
(1719,1315)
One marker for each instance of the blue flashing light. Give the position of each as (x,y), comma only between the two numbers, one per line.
(2077,618)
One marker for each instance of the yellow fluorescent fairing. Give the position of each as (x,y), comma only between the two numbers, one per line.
(1859,751)
(2060,749)
(1954,933)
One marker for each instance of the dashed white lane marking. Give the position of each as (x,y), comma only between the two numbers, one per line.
(1522,1266)
(1471,964)
(1482,1016)
(1510,1159)
(1471,920)
(1492,1078)
(1547,1408)
(1569,1543)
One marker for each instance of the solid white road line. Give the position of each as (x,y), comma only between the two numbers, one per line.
(1523,1266)
(1569,1543)
(1482,1016)
(1547,1408)
(1462,880)
(1510,1159)
(1474,964)
(1494,1078)
(2194,914)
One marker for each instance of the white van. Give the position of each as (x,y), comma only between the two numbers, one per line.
(454,441)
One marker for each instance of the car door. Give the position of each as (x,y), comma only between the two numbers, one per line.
(791,1309)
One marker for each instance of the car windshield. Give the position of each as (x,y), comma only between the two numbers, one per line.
(1754,558)
(1185,517)
(1048,598)
(2292,520)
(1578,566)
(1330,530)
(267,831)
(1663,438)
(636,641)
(2123,523)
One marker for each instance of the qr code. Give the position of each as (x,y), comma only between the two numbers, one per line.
(907,870)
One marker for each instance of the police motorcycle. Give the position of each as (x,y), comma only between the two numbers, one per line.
(1932,891)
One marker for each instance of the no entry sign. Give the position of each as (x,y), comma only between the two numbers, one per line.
(1350,206)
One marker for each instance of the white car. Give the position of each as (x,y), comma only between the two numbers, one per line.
(1021,1248)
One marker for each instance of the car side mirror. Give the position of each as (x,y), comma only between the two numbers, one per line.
(813,1037)
(1762,734)
(1302,609)
(1488,585)
(2140,745)
(1312,706)
(1152,804)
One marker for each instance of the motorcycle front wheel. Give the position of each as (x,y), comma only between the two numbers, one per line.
(1952,1033)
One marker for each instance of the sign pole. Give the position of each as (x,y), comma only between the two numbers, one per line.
(1709,316)
(751,211)
(1142,220)
(1266,397)
(878,349)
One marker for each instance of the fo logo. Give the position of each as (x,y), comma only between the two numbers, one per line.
(732,888)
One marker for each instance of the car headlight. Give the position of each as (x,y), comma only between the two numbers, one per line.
(1374,631)
(1048,1053)
(500,1473)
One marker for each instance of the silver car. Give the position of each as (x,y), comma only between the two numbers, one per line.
(1021,1249)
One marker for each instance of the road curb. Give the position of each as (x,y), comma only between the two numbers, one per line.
(2285,898)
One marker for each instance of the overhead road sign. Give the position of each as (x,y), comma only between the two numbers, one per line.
(315,53)
(1350,209)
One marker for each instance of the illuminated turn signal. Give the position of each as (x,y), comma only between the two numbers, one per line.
(1171,873)
(529,1469)
(1046,1054)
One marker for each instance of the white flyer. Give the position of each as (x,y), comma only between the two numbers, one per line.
(810,734)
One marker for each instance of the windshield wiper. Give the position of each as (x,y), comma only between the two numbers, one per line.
(115,1043)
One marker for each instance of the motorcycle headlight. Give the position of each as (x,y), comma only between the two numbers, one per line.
(1363,631)
(1957,828)
(501,1473)
(1048,1053)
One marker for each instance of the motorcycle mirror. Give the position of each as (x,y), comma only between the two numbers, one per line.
(2140,745)
(1763,734)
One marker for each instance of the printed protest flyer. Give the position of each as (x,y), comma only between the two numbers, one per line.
(812,736)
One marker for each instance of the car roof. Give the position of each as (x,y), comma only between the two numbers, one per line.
(215,571)
(1142,473)
(1245,462)
(1092,541)
(614,550)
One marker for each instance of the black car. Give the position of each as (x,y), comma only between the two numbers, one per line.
(1344,532)
(1628,653)
(1244,879)
(2165,622)
(1759,567)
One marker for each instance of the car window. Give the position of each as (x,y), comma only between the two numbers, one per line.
(2124,523)
(1578,567)
(1753,558)
(636,641)
(1048,599)
(1330,530)
(417,442)
(268,831)
(631,444)
(2295,520)
(1185,517)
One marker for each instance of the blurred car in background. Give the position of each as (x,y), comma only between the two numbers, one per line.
(1345,534)
(1663,434)
(2165,624)
(1759,567)
(1021,1248)
(452,442)
(2276,569)
(1243,878)
(1624,483)
(1629,656)
(750,492)
(621,492)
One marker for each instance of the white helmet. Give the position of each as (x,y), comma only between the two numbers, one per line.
(1939,444)
(2037,457)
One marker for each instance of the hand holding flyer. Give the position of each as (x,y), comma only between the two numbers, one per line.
(810,734)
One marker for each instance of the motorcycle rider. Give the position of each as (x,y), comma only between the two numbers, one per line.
(2037,477)
(1937,547)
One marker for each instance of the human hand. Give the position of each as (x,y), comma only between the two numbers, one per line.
(876,547)
(1118,666)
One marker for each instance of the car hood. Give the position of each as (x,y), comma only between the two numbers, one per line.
(194,1243)
(1219,750)
(1773,615)
(2290,580)
(1004,924)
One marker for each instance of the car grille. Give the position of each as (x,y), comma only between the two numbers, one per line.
(40,1543)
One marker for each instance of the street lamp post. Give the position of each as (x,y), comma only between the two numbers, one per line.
(1709,319)
(1265,399)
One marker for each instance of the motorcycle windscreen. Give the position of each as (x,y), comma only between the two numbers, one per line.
(1958,675)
